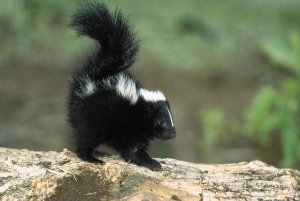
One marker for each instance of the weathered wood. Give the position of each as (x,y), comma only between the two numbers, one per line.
(29,175)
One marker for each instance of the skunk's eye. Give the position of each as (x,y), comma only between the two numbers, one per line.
(161,123)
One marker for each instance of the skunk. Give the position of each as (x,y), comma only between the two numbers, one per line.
(107,105)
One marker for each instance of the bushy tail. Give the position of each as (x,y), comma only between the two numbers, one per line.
(111,30)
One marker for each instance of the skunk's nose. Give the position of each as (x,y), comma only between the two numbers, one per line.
(169,134)
(172,133)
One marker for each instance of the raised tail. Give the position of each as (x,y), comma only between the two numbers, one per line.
(118,45)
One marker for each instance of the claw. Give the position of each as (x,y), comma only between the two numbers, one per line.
(98,161)
(91,159)
(155,165)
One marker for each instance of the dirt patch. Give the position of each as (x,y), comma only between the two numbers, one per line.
(86,186)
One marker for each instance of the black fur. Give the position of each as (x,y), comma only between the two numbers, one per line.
(106,104)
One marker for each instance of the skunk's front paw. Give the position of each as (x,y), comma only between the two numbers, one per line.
(142,158)
(149,163)
(96,160)
(154,165)
(91,159)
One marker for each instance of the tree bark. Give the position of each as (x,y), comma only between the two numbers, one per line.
(30,175)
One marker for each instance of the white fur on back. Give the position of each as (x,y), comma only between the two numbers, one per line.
(152,96)
(126,88)
(87,87)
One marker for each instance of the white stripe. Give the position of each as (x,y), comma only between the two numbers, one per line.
(90,88)
(126,88)
(171,118)
(152,96)
(87,87)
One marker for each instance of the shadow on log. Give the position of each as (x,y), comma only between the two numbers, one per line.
(29,175)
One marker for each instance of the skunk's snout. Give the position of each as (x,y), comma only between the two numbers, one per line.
(172,133)
(168,134)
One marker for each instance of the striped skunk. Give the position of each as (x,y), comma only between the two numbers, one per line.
(106,104)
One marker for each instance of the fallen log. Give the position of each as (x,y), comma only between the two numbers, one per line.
(31,175)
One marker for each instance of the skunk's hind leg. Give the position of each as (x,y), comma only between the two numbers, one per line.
(85,148)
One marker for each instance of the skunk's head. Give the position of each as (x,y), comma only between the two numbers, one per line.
(158,116)
(153,114)
(161,120)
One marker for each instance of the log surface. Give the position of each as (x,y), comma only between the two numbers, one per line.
(30,175)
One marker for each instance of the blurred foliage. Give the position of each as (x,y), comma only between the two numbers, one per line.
(275,111)
(274,117)
(182,34)
(26,26)
(213,123)
(31,28)
(200,33)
